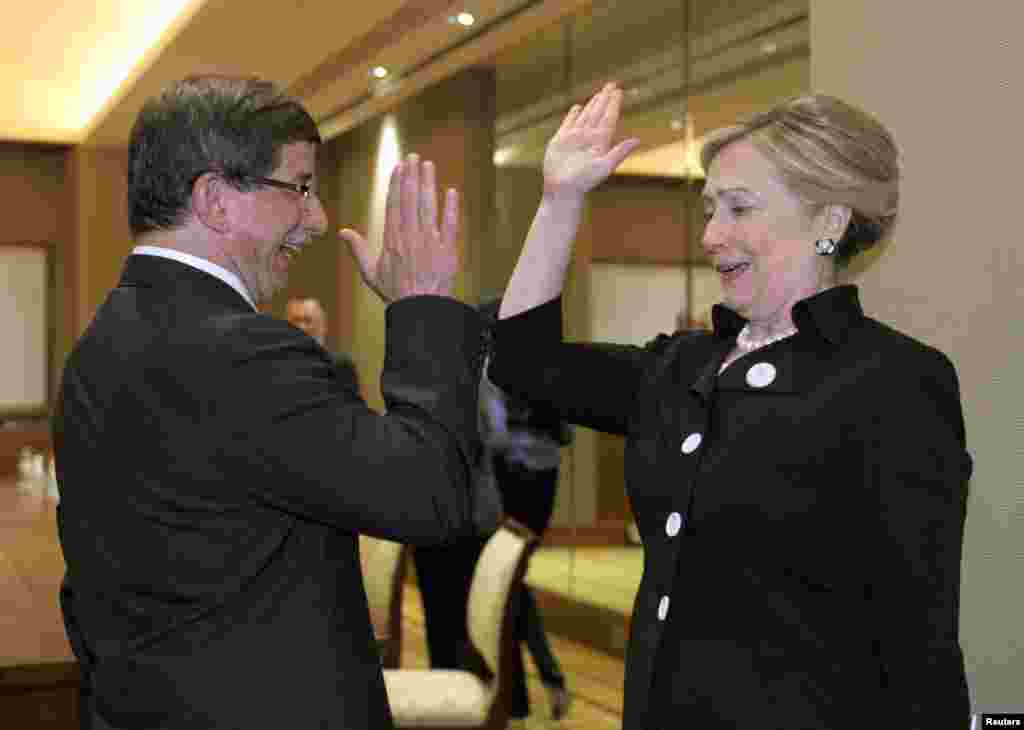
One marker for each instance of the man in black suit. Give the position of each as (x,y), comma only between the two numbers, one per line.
(214,469)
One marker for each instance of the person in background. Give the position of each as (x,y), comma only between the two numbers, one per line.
(214,470)
(308,315)
(798,472)
(520,459)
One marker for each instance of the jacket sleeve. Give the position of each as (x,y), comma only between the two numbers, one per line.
(920,469)
(308,444)
(592,385)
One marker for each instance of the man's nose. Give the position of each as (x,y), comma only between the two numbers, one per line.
(316,217)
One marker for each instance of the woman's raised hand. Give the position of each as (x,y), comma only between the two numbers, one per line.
(579,157)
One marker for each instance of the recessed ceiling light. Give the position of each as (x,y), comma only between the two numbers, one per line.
(768,48)
(463,18)
(636,91)
(677,124)
(379,72)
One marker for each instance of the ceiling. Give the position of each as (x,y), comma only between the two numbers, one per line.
(77,71)
(61,61)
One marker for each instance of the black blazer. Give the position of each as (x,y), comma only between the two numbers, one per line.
(802,519)
(215,471)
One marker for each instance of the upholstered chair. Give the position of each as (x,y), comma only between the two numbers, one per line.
(477,696)
(383,564)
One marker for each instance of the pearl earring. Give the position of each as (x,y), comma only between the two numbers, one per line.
(825,246)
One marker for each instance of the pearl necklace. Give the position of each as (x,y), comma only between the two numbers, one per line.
(745,343)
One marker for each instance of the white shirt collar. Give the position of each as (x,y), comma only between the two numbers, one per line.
(228,277)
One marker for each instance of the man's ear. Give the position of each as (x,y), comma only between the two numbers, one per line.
(210,201)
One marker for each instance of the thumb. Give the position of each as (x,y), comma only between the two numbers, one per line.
(359,248)
(368,267)
(620,152)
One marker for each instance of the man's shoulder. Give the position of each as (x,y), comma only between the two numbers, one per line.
(246,331)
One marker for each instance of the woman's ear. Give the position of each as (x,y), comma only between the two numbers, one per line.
(836,219)
(209,202)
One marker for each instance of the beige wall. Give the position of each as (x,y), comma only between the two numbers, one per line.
(32,186)
(360,314)
(98,234)
(944,77)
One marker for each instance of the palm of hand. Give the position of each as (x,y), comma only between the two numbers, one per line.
(416,256)
(580,156)
(574,159)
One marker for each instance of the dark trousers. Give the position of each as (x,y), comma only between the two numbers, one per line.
(444,576)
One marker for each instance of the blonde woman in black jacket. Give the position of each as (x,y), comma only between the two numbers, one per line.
(798,473)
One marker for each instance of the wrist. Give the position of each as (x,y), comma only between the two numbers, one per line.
(562,199)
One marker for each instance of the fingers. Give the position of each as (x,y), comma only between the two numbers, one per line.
(570,119)
(360,250)
(620,152)
(450,224)
(428,197)
(409,222)
(593,112)
(610,113)
(393,212)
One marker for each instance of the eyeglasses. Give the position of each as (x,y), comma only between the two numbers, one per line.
(303,189)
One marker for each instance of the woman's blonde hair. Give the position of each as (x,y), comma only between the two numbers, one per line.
(827,152)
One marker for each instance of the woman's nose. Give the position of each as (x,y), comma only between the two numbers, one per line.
(714,234)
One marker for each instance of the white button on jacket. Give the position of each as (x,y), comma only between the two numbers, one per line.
(663,608)
(672,525)
(761,375)
(692,443)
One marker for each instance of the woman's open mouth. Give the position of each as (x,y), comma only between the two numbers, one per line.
(731,272)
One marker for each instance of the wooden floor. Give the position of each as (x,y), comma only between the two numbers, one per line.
(31,568)
(38,674)
(593,678)
(605,576)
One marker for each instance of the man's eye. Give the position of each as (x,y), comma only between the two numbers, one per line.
(739,210)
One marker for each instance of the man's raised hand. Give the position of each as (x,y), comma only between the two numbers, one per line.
(416,257)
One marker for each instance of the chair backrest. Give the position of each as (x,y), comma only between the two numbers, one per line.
(490,612)
(383,565)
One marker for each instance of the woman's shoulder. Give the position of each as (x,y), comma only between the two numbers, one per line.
(893,342)
(900,356)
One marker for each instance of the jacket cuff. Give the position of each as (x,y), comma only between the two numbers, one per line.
(433,329)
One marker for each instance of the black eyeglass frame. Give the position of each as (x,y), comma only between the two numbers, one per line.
(303,189)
